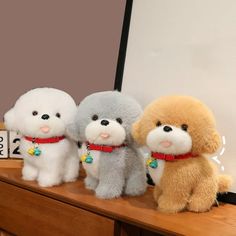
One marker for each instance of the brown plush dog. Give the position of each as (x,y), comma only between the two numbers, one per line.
(179,130)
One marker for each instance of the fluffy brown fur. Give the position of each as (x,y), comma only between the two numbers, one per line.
(190,183)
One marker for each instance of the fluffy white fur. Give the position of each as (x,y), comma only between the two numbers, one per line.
(174,142)
(112,134)
(59,161)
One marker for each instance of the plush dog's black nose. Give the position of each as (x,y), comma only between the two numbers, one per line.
(45,117)
(105,122)
(167,128)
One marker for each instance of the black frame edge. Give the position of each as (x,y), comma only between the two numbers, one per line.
(123,46)
(229,197)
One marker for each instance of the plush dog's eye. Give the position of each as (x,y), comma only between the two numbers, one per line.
(184,127)
(58,115)
(94,117)
(119,120)
(158,123)
(34,113)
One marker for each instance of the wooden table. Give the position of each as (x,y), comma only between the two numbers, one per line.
(70,209)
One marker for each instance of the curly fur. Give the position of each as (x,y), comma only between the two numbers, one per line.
(123,170)
(191,183)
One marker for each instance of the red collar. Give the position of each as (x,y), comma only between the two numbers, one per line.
(170,157)
(103,148)
(45,140)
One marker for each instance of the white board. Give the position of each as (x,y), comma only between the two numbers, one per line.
(14,145)
(186,47)
(3,144)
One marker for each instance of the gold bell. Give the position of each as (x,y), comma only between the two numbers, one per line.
(31,151)
(149,160)
(83,157)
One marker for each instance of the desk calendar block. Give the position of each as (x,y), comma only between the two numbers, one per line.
(3,144)
(14,144)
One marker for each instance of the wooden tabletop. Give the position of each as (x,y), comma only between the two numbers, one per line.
(140,211)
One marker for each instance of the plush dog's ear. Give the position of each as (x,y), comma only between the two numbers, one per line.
(211,142)
(136,133)
(72,131)
(10,120)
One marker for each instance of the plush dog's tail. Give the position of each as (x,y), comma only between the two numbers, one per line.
(224,183)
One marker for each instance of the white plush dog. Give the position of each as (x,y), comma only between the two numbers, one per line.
(42,116)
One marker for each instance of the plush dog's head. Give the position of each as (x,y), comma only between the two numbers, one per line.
(41,112)
(105,118)
(177,125)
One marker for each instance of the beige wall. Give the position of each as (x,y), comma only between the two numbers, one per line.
(70,45)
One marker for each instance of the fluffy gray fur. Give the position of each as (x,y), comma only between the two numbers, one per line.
(123,170)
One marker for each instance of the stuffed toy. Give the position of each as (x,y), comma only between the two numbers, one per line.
(42,116)
(112,163)
(179,131)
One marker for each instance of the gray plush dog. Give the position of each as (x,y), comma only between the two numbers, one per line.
(112,163)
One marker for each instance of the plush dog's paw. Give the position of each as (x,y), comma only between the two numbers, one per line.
(71,170)
(91,183)
(135,189)
(29,177)
(198,206)
(170,206)
(48,181)
(173,209)
(136,183)
(170,209)
(108,192)
(29,173)
(70,178)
